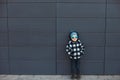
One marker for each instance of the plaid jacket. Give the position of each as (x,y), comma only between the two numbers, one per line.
(75,49)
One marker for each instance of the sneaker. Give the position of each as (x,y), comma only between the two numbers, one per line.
(73,76)
(78,76)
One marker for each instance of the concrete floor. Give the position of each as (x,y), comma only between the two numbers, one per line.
(58,77)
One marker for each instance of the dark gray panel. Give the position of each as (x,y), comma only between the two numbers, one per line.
(113,39)
(4,67)
(63,67)
(31,0)
(37,38)
(32,31)
(81,0)
(61,53)
(3,39)
(3,25)
(33,53)
(32,24)
(92,68)
(33,67)
(92,53)
(112,67)
(112,53)
(113,25)
(80,10)
(3,53)
(80,24)
(3,10)
(113,10)
(113,1)
(31,10)
(2,1)
(89,39)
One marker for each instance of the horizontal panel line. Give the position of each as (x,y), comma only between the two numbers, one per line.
(113,46)
(65,17)
(113,3)
(113,32)
(59,2)
(23,59)
(53,17)
(31,18)
(4,46)
(92,32)
(4,32)
(103,46)
(32,31)
(27,17)
(4,59)
(49,46)
(28,2)
(112,60)
(92,61)
(3,3)
(66,58)
(3,17)
(113,17)
(38,46)
(63,2)
(62,32)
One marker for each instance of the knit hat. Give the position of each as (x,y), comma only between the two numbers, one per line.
(74,34)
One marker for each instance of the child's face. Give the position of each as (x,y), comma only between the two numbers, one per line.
(74,39)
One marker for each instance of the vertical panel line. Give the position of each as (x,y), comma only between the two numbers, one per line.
(8,39)
(56,35)
(104,71)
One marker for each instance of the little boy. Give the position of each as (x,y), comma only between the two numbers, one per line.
(75,50)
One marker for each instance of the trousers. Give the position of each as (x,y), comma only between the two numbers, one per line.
(75,66)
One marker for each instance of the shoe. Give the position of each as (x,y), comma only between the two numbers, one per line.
(78,76)
(73,76)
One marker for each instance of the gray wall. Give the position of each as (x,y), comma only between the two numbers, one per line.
(33,35)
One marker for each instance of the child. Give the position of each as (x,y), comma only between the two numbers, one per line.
(75,50)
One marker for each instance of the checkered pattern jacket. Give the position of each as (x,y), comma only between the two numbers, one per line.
(75,49)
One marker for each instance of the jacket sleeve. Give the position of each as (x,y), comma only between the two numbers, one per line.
(68,49)
(82,48)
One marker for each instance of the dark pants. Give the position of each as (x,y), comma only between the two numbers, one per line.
(75,66)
